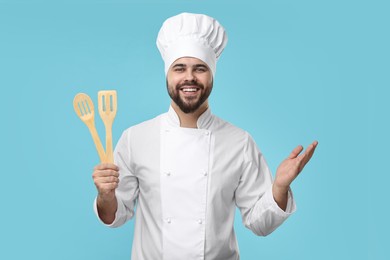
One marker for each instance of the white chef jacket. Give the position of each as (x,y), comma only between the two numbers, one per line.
(187,182)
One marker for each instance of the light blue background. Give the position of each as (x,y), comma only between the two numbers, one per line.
(293,71)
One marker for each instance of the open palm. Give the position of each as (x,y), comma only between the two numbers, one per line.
(289,169)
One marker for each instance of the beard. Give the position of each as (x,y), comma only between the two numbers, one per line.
(189,104)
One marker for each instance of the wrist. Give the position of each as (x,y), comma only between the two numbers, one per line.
(280,189)
(105,197)
(280,195)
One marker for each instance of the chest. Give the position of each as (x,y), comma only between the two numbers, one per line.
(188,159)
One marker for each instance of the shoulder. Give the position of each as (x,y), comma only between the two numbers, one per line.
(144,126)
(141,131)
(231,135)
(234,142)
(234,134)
(226,128)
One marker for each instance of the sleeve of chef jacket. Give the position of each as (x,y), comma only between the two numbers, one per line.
(127,191)
(259,211)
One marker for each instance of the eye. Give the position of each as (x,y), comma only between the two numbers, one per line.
(201,69)
(179,69)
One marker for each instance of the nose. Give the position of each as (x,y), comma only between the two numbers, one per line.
(190,76)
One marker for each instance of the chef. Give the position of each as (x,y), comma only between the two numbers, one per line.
(187,169)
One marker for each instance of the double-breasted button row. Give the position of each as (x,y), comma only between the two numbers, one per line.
(168,173)
(169,221)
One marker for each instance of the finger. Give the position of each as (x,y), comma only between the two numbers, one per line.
(107,179)
(295,152)
(310,150)
(107,187)
(106,166)
(305,157)
(105,173)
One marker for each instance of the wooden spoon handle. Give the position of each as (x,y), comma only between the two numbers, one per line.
(98,143)
(109,153)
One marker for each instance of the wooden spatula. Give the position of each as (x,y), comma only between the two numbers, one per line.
(107,111)
(83,106)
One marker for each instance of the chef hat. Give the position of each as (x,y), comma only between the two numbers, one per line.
(191,35)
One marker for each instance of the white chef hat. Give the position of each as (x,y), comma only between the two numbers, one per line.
(191,35)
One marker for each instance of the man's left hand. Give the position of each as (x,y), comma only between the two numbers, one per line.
(288,170)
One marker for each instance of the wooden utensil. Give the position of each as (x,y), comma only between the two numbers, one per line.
(84,108)
(107,110)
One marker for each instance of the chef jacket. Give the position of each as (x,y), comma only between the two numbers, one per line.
(187,182)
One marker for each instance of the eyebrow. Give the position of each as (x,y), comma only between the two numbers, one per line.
(195,66)
(201,66)
(179,65)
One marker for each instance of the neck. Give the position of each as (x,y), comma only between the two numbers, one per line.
(189,120)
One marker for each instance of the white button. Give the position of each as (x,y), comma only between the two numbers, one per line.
(200,221)
(207,133)
(168,173)
(168,220)
(204,173)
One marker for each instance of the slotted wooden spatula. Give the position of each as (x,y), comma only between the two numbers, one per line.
(107,111)
(84,108)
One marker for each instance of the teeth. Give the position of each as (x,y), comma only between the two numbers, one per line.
(189,89)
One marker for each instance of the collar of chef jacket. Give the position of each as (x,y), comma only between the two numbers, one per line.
(204,121)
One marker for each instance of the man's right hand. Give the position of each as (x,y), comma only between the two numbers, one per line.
(105,177)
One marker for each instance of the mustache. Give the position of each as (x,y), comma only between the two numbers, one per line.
(190,84)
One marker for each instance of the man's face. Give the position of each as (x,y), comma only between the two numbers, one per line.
(189,83)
